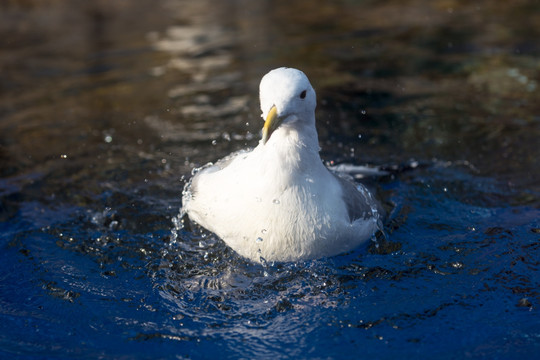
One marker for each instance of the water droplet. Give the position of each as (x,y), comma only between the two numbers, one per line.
(275,201)
(264,231)
(214,142)
(107,138)
(113,225)
(259,240)
(363,112)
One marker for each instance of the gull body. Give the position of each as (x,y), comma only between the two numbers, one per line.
(279,202)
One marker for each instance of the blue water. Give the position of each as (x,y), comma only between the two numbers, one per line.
(105,109)
(455,277)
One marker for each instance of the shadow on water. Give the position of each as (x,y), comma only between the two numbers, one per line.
(105,108)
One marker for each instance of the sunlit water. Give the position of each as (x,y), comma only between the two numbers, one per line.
(105,109)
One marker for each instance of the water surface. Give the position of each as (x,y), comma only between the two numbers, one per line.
(106,107)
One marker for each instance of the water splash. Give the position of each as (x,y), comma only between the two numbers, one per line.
(178,225)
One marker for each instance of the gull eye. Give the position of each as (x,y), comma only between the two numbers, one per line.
(303,94)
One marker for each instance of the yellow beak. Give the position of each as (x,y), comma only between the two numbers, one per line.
(270,124)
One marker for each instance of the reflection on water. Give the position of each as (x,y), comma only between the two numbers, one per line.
(105,108)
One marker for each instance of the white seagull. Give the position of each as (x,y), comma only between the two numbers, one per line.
(278,202)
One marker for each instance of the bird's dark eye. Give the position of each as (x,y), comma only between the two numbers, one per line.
(303,94)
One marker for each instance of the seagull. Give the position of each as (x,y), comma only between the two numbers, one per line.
(278,202)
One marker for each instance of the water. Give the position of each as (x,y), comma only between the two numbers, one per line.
(105,109)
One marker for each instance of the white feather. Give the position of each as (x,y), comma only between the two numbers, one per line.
(278,201)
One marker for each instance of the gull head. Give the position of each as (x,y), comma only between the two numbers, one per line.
(286,97)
